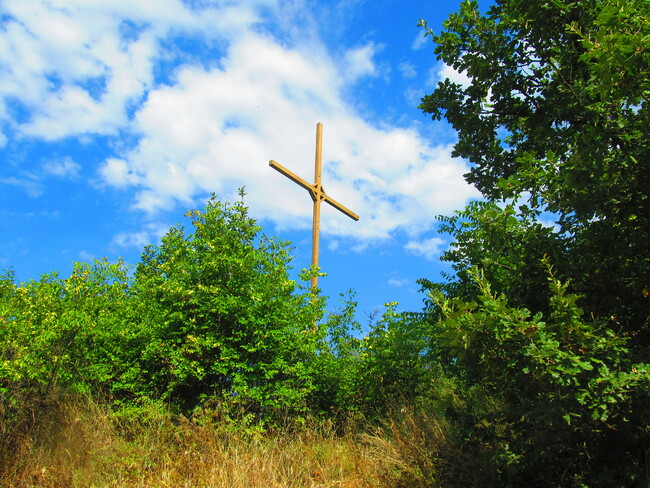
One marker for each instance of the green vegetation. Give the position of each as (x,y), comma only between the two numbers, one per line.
(546,330)
(206,365)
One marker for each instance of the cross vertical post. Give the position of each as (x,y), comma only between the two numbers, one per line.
(318,195)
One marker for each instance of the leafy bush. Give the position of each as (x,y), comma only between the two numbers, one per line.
(371,374)
(394,367)
(337,364)
(60,337)
(208,317)
(554,398)
(225,319)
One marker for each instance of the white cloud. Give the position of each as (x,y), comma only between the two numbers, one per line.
(31,187)
(65,46)
(414,96)
(149,234)
(86,256)
(419,41)
(64,168)
(216,129)
(407,69)
(428,248)
(212,125)
(115,172)
(131,239)
(445,71)
(358,62)
(399,282)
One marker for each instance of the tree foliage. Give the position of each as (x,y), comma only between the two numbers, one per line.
(209,316)
(558,110)
(544,327)
(226,318)
(377,371)
(72,332)
(548,396)
(508,248)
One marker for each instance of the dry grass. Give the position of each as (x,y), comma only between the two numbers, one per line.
(86,445)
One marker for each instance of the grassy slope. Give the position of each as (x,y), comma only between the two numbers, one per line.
(86,445)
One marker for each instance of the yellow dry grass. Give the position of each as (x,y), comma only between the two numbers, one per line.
(87,445)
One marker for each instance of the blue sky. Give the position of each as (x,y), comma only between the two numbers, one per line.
(117,116)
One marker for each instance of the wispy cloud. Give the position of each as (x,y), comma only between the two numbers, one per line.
(358,62)
(407,69)
(420,41)
(83,64)
(427,248)
(150,234)
(32,188)
(64,168)
(86,256)
(399,282)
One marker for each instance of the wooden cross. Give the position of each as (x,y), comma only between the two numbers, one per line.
(318,195)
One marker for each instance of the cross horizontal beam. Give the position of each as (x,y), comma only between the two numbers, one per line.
(315,191)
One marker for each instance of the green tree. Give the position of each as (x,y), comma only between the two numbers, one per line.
(558,111)
(66,333)
(227,322)
(372,374)
(208,316)
(394,368)
(506,245)
(62,338)
(555,123)
(547,399)
(338,362)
